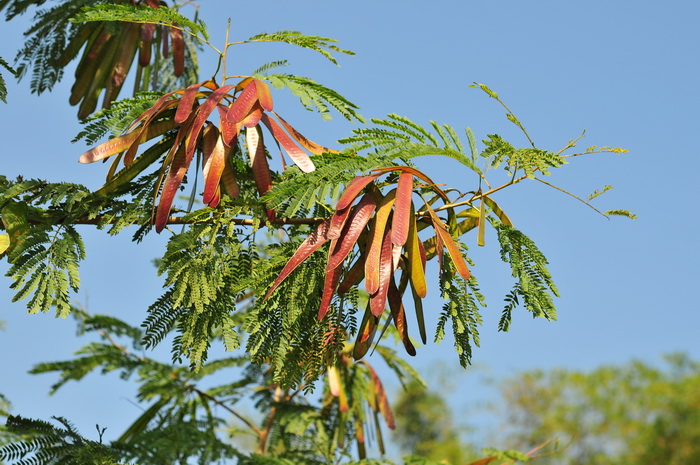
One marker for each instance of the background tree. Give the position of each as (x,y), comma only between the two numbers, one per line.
(426,428)
(636,413)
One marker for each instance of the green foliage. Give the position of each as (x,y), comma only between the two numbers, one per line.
(283,330)
(322,45)
(625,213)
(534,282)
(46,40)
(140,14)
(299,191)
(400,137)
(462,301)
(426,429)
(45,266)
(638,413)
(3,87)
(529,160)
(315,96)
(46,443)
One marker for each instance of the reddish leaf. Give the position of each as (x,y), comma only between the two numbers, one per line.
(375,242)
(330,283)
(303,141)
(243,103)
(166,45)
(353,189)
(354,226)
(402,209)
(264,95)
(309,246)
(365,336)
(298,156)
(125,56)
(243,83)
(399,316)
(378,299)
(161,104)
(165,105)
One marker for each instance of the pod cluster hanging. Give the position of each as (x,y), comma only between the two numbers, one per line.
(384,227)
(241,109)
(109,51)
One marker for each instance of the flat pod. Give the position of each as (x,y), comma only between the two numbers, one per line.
(375,242)
(298,156)
(243,104)
(356,223)
(311,244)
(353,189)
(378,299)
(402,209)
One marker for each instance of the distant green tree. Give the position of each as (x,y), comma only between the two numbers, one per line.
(632,414)
(425,427)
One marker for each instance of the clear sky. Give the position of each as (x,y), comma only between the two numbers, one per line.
(626,72)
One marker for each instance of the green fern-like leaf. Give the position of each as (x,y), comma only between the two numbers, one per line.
(462,302)
(302,190)
(399,137)
(3,86)
(315,96)
(625,213)
(529,160)
(529,266)
(46,42)
(44,443)
(322,45)
(140,14)
(45,266)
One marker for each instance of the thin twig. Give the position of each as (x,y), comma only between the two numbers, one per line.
(572,195)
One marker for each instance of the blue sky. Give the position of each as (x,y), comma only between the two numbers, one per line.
(626,72)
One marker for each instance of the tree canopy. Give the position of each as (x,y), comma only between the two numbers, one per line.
(297,268)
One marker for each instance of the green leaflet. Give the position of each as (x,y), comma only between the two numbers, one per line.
(534,284)
(45,268)
(322,45)
(316,96)
(3,87)
(140,14)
